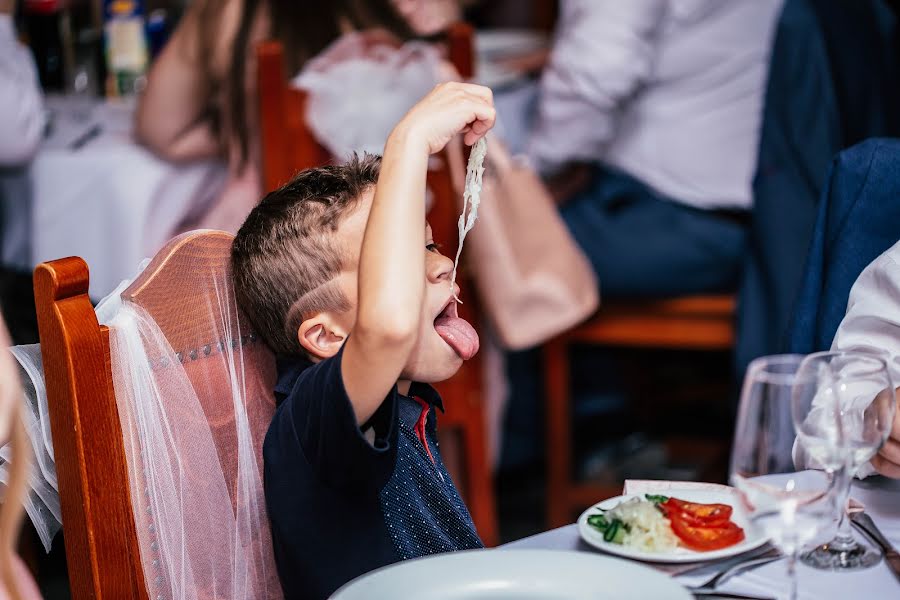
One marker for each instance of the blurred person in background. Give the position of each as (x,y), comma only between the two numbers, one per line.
(15,581)
(21,100)
(200,99)
(834,82)
(21,129)
(647,123)
(658,103)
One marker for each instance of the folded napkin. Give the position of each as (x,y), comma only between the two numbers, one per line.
(650,486)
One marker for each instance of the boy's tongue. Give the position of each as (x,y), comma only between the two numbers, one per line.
(458,334)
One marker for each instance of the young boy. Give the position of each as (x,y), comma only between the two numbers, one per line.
(343,280)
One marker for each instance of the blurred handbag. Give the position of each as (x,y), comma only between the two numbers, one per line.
(533,280)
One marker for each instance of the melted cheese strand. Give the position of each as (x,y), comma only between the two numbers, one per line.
(471,200)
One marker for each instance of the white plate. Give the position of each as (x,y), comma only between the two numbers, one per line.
(753,536)
(514,575)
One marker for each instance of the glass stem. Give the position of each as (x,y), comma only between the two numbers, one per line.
(792,575)
(844,539)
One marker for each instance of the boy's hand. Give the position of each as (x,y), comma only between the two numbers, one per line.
(450,108)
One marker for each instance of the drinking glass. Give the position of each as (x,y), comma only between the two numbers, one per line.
(856,387)
(82,79)
(791,508)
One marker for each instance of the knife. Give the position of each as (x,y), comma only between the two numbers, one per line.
(727,595)
(891,556)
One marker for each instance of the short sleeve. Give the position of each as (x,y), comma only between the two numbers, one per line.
(321,417)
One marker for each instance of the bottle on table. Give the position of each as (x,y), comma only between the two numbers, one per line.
(127,55)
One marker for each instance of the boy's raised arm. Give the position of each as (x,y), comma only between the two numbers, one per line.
(392,260)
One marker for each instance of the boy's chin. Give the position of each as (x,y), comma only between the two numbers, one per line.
(437,370)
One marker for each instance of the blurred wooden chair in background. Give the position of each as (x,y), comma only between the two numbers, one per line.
(689,323)
(289,146)
(101,539)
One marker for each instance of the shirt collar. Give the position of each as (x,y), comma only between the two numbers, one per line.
(427,393)
(289,369)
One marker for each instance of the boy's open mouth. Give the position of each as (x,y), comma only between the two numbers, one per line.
(456,332)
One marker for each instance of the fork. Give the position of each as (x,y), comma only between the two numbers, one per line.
(727,595)
(757,561)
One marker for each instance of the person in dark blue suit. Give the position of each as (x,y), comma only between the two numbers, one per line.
(833,82)
(857,231)
(858,220)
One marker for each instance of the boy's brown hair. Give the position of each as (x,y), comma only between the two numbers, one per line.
(284,258)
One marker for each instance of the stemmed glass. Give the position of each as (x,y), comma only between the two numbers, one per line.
(856,387)
(791,508)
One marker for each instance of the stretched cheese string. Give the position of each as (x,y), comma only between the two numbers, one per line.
(471,200)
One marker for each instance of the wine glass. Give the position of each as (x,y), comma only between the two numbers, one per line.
(856,387)
(791,508)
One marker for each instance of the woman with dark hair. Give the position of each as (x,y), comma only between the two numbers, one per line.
(200,100)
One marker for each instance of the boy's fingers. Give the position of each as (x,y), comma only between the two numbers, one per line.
(484,112)
(471,137)
(485,93)
(478,112)
(480,127)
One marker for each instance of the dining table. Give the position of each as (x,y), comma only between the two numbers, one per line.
(879,497)
(99,194)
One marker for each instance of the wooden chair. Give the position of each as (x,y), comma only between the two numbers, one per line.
(694,323)
(289,146)
(100,532)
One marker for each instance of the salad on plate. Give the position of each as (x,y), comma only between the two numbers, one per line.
(662,524)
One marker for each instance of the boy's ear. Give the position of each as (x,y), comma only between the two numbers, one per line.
(322,335)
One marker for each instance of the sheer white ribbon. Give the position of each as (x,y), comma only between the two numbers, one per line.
(192,430)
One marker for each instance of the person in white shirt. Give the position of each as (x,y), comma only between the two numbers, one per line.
(21,100)
(664,98)
(21,129)
(872,323)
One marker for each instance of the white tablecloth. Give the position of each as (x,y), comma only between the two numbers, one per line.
(110,201)
(881,498)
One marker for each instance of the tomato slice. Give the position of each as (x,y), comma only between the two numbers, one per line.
(696,514)
(706,538)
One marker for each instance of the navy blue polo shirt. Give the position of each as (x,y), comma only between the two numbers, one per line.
(343,499)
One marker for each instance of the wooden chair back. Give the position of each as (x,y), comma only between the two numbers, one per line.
(287,144)
(100,533)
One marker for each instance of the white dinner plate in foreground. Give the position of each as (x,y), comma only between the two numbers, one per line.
(754,537)
(514,575)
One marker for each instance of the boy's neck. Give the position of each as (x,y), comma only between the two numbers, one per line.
(403,386)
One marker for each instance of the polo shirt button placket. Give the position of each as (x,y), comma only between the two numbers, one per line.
(421,432)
